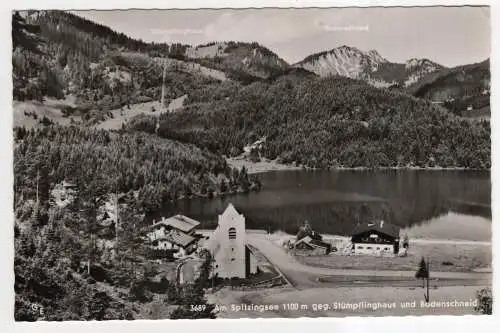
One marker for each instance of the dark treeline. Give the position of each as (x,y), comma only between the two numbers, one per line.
(327,122)
(119,162)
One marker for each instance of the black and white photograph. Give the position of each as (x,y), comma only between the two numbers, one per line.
(219,163)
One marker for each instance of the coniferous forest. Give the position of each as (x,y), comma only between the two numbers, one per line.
(360,126)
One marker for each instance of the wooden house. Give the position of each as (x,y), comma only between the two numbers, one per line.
(378,238)
(311,246)
(175,233)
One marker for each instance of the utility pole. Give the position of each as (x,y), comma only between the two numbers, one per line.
(162,106)
(37,180)
(428,276)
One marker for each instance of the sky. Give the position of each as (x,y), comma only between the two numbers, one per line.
(450,36)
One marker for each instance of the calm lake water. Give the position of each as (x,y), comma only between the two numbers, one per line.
(436,204)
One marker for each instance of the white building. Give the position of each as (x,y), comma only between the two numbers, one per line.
(259,144)
(375,238)
(175,233)
(227,245)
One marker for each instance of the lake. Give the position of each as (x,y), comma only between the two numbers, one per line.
(429,203)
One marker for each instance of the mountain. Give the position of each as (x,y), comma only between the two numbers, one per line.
(416,69)
(464,90)
(367,66)
(325,122)
(106,70)
(242,61)
(344,61)
(102,69)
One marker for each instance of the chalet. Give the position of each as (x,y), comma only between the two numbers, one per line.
(174,233)
(311,246)
(379,238)
(178,222)
(309,241)
(227,245)
(256,145)
(183,244)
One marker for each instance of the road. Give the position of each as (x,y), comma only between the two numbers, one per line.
(304,276)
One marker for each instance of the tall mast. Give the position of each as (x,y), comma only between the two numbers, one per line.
(162,106)
(37,180)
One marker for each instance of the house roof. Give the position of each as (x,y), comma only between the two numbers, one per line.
(306,239)
(180,222)
(312,242)
(382,227)
(178,238)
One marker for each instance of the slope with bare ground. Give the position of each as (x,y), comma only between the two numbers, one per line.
(30,113)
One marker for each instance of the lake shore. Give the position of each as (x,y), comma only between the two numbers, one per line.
(445,255)
(272,165)
(259,167)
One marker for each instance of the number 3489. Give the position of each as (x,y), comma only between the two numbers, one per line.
(198,307)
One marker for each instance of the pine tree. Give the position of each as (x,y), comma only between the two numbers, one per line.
(422,272)
(25,35)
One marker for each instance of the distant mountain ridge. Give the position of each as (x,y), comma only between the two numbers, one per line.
(238,59)
(106,69)
(464,90)
(367,66)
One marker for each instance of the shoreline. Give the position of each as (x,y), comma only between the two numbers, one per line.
(272,165)
(259,167)
(332,237)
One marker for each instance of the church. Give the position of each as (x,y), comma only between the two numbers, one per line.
(227,245)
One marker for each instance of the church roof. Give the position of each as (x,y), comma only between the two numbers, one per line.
(230,211)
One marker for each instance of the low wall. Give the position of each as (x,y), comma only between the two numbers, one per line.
(315,252)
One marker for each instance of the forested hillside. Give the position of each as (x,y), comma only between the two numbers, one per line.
(54,241)
(245,62)
(104,162)
(328,122)
(102,68)
(459,88)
